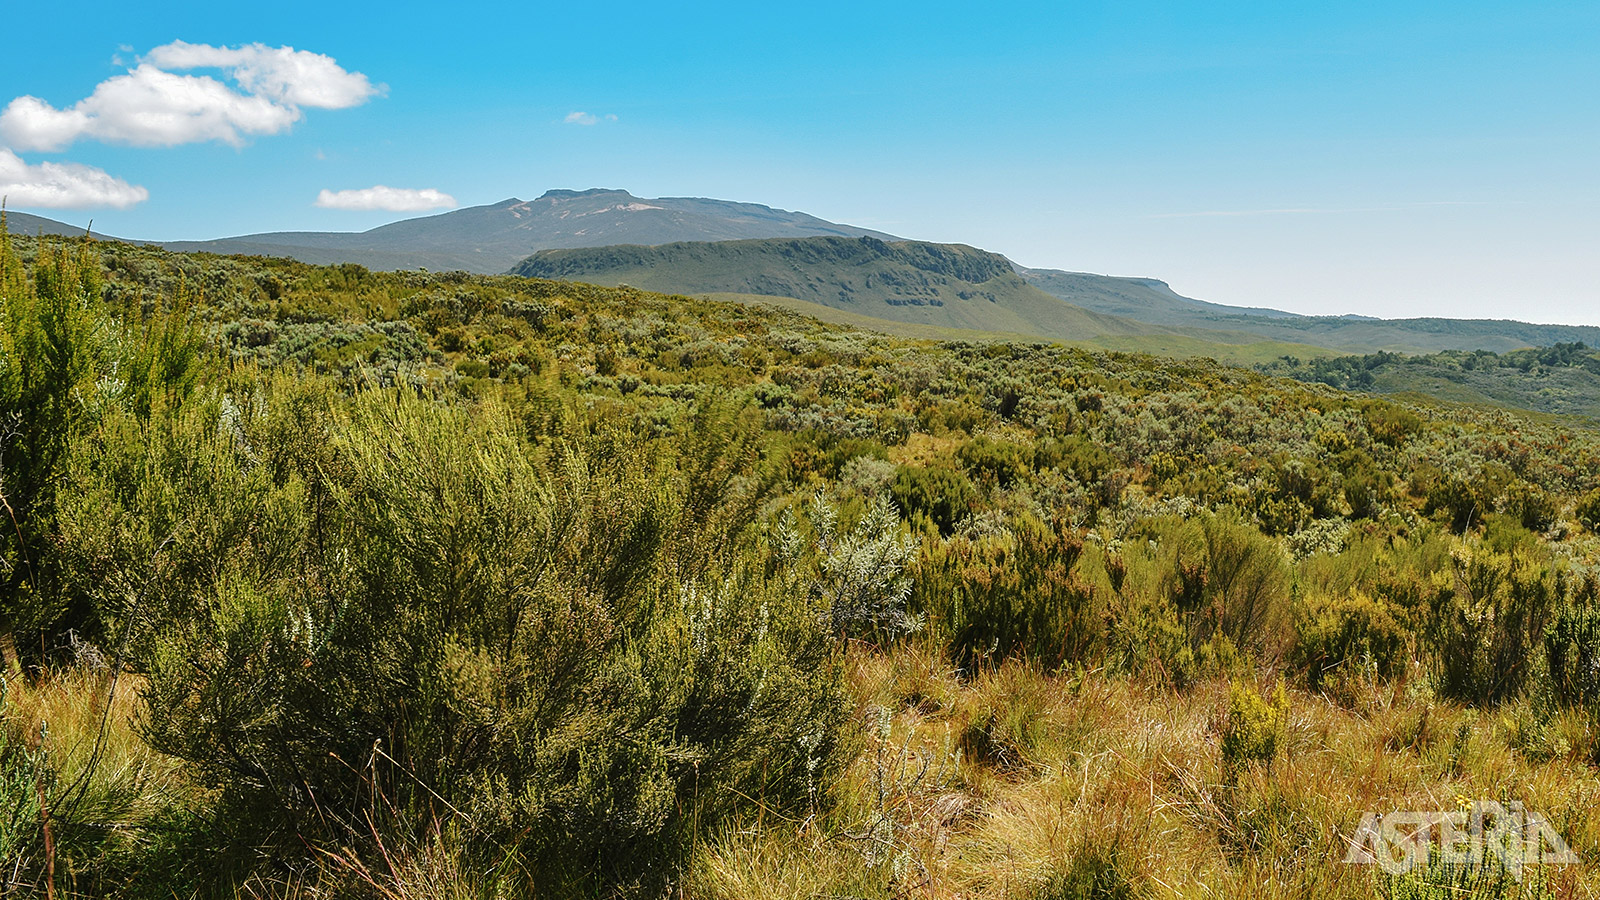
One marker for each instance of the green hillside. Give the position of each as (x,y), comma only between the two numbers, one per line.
(1149,300)
(488,239)
(913,282)
(1145,299)
(1162,344)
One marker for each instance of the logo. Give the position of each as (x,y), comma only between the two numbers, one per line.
(1480,834)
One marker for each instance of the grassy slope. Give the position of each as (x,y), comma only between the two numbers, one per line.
(937,286)
(1149,300)
(1175,345)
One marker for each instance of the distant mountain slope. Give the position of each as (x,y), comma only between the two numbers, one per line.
(936,285)
(23,223)
(1149,300)
(1145,299)
(490,239)
(1362,335)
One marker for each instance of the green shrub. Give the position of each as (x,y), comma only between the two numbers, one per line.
(1464,499)
(1391,424)
(1254,727)
(1572,650)
(1011,596)
(574,651)
(1491,609)
(1350,630)
(1001,463)
(1531,506)
(66,364)
(1236,586)
(941,494)
(1588,510)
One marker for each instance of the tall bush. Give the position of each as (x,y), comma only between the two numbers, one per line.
(1011,595)
(1492,607)
(573,650)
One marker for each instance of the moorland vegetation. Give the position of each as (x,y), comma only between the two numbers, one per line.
(318,581)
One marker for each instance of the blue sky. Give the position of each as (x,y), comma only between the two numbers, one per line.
(1377,158)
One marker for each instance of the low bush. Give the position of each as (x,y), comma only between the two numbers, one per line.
(1254,727)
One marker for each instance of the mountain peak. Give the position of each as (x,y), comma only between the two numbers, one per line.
(563,194)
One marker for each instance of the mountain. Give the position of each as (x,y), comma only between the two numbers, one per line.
(1145,299)
(23,223)
(936,285)
(1149,300)
(490,239)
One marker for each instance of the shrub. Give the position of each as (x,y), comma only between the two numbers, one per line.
(941,494)
(1390,424)
(1001,463)
(574,652)
(66,364)
(1242,579)
(860,574)
(1254,726)
(1352,629)
(1076,454)
(1492,608)
(1587,511)
(19,802)
(1464,500)
(1530,505)
(1572,651)
(1012,595)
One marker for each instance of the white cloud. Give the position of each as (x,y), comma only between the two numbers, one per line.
(282,74)
(386,198)
(151,106)
(63,185)
(582,118)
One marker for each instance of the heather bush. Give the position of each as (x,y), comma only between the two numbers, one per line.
(941,494)
(1011,595)
(562,648)
(1491,607)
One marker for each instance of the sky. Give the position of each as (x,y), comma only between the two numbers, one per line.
(1387,159)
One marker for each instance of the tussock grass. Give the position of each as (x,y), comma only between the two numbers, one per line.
(1095,785)
(1006,783)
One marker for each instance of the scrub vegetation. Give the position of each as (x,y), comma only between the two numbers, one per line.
(323,582)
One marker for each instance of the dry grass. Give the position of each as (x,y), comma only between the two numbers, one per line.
(1012,784)
(102,774)
(1017,784)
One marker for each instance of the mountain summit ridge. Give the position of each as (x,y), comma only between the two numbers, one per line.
(491,238)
